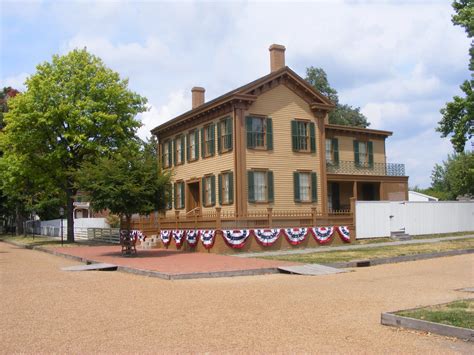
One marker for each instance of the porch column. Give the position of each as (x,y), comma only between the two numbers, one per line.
(354,190)
(322,163)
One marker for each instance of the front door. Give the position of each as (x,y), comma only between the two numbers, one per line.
(193,200)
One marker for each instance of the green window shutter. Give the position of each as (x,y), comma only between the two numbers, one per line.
(251,186)
(196,143)
(169,196)
(229,132)
(314,187)
(271,193)
(370,148)
(231,187)
(187,147)
(182,195)
(219,140)
(356,153)
(296,186)
(335,147)
(269,134)
(213,138)
(294,135)
(175,189)
(250,137)
(203,191)
(163,155)
(219,188)
(170,151)
(183,145)
(174,153)
(312,137)
(213,190)
(203,149)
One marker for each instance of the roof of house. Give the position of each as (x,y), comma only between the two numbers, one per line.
(423,195)
(243,93)
(341,128)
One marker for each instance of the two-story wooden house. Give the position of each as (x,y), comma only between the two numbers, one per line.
(268,146)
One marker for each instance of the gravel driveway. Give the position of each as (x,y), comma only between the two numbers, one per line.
(44,309)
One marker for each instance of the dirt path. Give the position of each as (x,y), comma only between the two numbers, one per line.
(44,309)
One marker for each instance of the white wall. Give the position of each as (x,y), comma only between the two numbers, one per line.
(78,223)
(379,218)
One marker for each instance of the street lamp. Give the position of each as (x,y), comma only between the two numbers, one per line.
(61,213)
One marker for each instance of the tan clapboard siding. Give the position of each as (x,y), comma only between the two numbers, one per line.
(283,105)
(212,165)
(346,148)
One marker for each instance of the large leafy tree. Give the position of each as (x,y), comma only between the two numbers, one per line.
(342,114)
(458,115)
(126,182)
(74,110)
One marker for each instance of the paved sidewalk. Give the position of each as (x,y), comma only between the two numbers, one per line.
(324,249)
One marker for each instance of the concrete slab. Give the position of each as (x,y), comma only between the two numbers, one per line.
(96,266)
(311,269)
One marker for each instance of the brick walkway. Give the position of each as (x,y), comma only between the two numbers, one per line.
(171,262)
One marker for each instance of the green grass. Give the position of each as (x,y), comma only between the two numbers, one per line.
(424,236)
(376,252)
(457,313)
(37,241)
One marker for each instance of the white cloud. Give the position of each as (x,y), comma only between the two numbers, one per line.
(380,115)
(16,81)
(176,104)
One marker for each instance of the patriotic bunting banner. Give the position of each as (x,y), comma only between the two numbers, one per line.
(165,236)
(344,233)
(207,238)
(236,238)
(133,235)
(192,237)
(178,236)
(322,235)
(295,236)
(267,237)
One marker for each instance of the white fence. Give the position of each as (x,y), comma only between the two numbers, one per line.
(381,218)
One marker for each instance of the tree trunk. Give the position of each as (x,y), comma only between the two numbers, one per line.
(19,220)
(70,193)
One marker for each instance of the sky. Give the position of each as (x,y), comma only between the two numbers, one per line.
(399,61)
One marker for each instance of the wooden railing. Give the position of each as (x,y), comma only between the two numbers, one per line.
(264,218)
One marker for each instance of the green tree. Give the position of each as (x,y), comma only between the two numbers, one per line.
(5,94)
(342,114)
(458,115)
(74,110)
(453,178)
(126,182)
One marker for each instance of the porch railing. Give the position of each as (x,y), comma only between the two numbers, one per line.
(264,218)
(353,168)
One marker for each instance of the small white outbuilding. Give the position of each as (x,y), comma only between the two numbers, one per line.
(418,196)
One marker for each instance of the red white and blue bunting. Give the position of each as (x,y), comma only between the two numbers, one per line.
(178,236)
(165,236)
(236,238)
(207,238)
(295,236)
(344,233)
(322,235)
(267,237)
(192,237)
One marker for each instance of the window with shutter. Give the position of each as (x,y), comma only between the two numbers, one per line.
(260,186)
(259,132)
(178,152)
(208,141)
(166,154)
(304,186)
(303,136)
(225,188)
(209,190)
(179,195)
(224,135)
(332,151)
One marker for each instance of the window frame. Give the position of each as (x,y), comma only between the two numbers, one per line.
(178,154)
(207,142)
(264,120)
(267,187)
(222,178)
(224,135)
(309,188)
(166,157)
(179,195)
(208,194)
(193,149)
(307,137)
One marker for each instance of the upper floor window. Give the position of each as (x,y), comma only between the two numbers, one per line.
(259,132)
(179,150)
(303,136)
(364,153)
(332,151)
(226,188)
(260,186)
(166,156)
(207,139)
(305,186)
(224,134)
(193,145)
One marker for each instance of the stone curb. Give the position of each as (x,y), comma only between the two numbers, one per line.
(399,259)
(152,273)
(394,320)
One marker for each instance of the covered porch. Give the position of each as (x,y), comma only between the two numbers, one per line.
(364,188)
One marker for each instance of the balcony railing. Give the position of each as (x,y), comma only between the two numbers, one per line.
(351,168)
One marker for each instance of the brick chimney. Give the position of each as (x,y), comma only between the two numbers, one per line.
(198,96)
(277,57)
